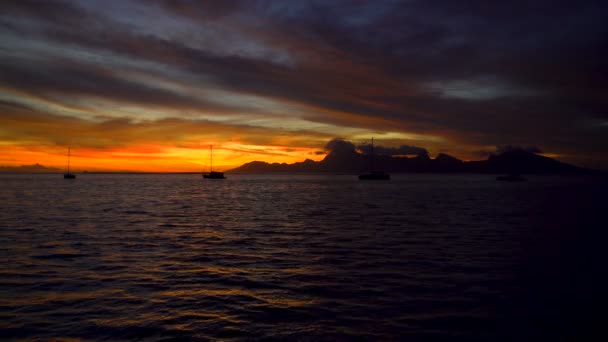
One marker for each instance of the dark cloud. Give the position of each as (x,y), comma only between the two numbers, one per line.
(202,10)
(393,151)
(62,77)
(508,148)
(59,12)
(476,73)
(340,146)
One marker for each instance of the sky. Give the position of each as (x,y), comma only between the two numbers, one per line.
(149,85)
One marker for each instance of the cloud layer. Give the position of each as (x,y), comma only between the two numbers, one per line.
(286,76)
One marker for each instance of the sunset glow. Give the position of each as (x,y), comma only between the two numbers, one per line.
(303,170)
(152,84)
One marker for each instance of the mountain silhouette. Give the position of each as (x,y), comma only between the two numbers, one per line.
(34,168)
(346,159)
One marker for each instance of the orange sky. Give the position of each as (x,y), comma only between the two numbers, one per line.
(150,86)
(150,158)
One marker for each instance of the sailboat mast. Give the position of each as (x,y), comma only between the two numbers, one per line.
(68,159)
(372,156)
(211,159)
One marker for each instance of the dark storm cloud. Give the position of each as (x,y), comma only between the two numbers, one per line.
(58,11)
(72,79)
(393,151)
(507,148)
(340,146)
(202,9)
(232,72)
(475,72)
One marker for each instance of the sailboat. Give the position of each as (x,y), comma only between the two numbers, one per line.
(374,175)
(69,175)
(212,174)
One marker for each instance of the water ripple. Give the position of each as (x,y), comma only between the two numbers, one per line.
(173,257)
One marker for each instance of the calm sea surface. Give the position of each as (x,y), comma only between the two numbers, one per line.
(292,257)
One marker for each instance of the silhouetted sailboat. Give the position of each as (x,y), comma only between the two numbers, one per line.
(374,175)
(69,175)
(212,174)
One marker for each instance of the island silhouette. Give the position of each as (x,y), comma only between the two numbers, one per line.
(34,168)
(344,157)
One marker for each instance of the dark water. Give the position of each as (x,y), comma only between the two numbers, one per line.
(422,257)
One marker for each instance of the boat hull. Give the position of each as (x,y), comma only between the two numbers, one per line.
(214,175)
(69,176)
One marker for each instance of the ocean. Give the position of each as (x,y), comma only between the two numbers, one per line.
(170,257)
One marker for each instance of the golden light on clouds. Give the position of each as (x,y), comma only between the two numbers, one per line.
(147,87)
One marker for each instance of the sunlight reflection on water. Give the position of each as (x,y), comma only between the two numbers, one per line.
(290,257)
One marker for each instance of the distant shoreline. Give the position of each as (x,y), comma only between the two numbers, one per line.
(328,173)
